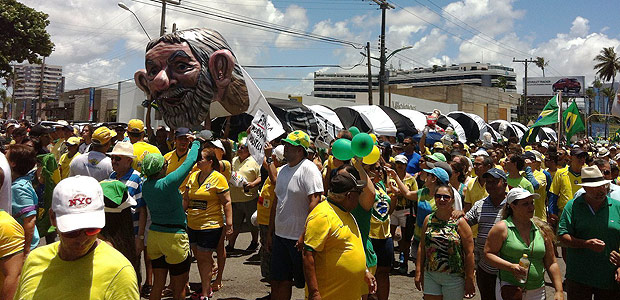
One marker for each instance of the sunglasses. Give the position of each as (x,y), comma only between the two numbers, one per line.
(116,158)
(440,197)
(606,172)
(76,233)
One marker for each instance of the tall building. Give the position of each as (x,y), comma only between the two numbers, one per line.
(345,85)
(75,105)
(27,86)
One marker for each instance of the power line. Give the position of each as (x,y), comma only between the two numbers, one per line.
(232,18)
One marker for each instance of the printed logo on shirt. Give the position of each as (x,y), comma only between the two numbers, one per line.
(80,201)
(93,161)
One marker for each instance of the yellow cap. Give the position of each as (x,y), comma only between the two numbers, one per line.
(72,141)
(103,135)
(135,126)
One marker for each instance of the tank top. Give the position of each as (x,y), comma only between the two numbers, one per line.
(444,249)
(513,249)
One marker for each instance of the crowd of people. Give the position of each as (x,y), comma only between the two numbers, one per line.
(85,208)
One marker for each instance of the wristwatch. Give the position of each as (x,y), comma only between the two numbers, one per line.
(269,160)
(141,237)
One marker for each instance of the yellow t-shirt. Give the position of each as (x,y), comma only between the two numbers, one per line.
(339,259)
(561,186)
(380,220)
(140,150)
(174,162)
(540,204)
(225,169)
(263,207)
(102,274)
(58,148)
(412,185)
(249,170)
(64,163)
(205,209)
(475,192)
(11,236)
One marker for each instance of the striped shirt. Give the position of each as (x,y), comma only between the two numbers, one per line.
(134,187)
(485,214)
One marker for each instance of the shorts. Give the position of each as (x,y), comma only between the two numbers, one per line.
(172,247)
(286,262)
(399,217)
(384,248)
(451,286)
(242,215)
(205,240)
(265,256)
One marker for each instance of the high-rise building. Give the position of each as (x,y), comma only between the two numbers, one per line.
(27,85)
(345,85)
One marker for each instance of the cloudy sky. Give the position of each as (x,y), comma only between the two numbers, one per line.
(99,43)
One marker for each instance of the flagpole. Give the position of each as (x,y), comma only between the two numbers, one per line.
(560,121)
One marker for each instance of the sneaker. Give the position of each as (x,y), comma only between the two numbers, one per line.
(145,292)
(252,247)
(403,269)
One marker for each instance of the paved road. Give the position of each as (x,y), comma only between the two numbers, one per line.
(242,279)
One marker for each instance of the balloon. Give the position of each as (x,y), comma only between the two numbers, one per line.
(373,157)
(374,138)
(354,130)
(362,144)
(341,149)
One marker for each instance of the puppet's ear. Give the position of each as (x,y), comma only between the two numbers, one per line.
(140,78)
(221,65)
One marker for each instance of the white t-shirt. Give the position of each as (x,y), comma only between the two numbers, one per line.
(5,191)
(293,187)
(458,203)
(94,164)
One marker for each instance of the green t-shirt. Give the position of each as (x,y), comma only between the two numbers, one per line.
(513,249)
(521,182)
(580,221)
(163,199)
(362,217)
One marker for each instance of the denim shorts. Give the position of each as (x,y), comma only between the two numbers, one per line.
(205,240)
(286,262)
(451,286)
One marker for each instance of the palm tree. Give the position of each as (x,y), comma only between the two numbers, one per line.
(502,83)
(590,94)
(608,64)
(608,93)
(541,63)
(597,83)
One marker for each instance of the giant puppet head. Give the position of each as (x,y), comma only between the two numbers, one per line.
(188,70)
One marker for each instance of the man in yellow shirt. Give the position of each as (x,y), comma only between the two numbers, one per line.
(135,131)
(533,159)
(79,266)
(244,196)
(475,187)
(565,184)
(73,145)
(11,254)
(334,259)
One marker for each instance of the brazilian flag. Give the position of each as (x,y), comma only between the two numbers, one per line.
(549,114)
(572,121)
(529,136)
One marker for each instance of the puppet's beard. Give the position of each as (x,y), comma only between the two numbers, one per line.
(191,110)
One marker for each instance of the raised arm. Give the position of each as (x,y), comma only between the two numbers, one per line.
(177,176)
(409,195)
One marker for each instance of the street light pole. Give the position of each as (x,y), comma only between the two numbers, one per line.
(123,6)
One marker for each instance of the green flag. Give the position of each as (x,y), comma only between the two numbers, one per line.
(572,120)
(529,136)
(549,114)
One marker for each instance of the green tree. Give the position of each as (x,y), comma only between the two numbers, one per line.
(607,65)
(6,99)
(502,83)
(590,95)
(541,63)
(597,83)
(22,35)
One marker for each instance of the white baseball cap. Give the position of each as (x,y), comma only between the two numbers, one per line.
(218,144)
(518,194)
(77,203)
(401,159)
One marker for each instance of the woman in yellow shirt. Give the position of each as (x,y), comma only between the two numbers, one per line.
(207,200)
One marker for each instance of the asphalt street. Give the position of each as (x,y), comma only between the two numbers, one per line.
(242,279)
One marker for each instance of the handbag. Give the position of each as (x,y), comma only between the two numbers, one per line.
(515,292)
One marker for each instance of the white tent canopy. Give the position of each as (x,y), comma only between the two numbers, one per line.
(418,118)
(381,123)
(327,114)
(506,129)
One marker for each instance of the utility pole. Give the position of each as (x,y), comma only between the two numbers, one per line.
(369,74)
(162,26)
(383,5)
(525,62)
(36,111)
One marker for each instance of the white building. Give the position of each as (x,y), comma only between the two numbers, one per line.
(346,85)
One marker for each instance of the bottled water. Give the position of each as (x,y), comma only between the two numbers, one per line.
(524,262)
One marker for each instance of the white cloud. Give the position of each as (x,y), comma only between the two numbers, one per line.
(580,27)
(104,71)
(491,17)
